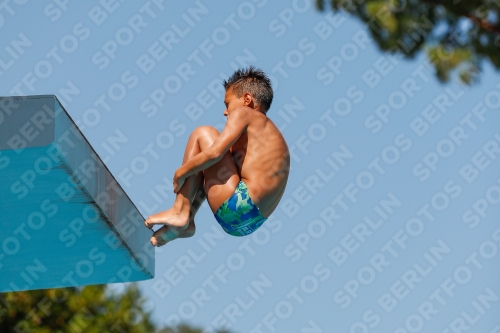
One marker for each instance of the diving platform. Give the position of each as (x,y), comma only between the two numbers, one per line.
(64,219)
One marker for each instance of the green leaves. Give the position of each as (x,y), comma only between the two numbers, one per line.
(447,60)
(381,12)
(91,309)
(457,36)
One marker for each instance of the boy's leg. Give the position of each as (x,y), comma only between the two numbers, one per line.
(168,233)
(220,181)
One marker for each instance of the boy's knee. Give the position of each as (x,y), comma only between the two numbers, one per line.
(207,131)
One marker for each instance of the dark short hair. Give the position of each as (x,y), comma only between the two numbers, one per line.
(253,81)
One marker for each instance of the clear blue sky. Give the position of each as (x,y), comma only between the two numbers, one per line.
(389,220)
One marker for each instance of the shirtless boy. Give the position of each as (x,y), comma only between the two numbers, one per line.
(242,171)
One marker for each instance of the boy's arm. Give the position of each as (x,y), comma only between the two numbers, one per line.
(236,123)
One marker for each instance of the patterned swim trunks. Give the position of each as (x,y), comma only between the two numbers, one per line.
(238,215)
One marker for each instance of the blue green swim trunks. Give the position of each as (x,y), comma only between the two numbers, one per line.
(238,215)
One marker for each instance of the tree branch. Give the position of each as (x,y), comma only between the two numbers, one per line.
(483,24)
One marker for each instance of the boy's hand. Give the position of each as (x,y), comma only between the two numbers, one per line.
(178,181)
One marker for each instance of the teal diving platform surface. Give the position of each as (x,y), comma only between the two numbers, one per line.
(64,220)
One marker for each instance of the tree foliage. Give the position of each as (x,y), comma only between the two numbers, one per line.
(457,35)
(91,309)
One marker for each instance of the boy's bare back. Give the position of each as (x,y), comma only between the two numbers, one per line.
(263,161)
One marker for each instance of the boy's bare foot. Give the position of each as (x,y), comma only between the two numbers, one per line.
(167,234)
(175,217)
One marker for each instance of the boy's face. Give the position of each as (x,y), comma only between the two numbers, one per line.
(232,102)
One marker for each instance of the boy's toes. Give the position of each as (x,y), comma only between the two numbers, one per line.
(154,241)
(149,223)
(162,236)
